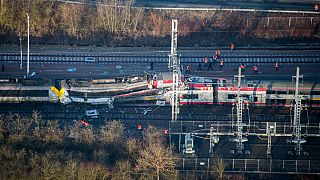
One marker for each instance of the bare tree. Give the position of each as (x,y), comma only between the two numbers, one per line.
(52,132)
(92,171)
(36,117)
(111,131)
(218,167)
(133,147)
(1,128)
(155,158)
(18,127)
(79,134)
(122,170)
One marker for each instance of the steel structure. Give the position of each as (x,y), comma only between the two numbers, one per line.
(239,139)
(20,39)
(213,140)
(270,131)
(297,139)
(174,65)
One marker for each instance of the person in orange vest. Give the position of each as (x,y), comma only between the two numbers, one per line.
(206,60)
(277,65)
(231,46)
(221,63)
(218,53)
(242,67)
(255,69)
(188,69)
(214,57)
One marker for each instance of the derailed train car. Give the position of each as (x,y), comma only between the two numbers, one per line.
(208,90)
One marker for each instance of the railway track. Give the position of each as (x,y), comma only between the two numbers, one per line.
(163,58)
(219,113)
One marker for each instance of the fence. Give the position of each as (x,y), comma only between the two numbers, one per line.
(253,165)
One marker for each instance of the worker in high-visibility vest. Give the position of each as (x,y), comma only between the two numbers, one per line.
(214,57)
(277,65)
(242,67)
(218,53)
(206,61)
(232,46)
(255,69)
(188,69)
(221,63)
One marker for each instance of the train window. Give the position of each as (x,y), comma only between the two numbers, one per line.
(281,92)
(271,91)
(231,96)
(315,93)
(207,80)
(270,101)
(303,101)
(223,83)
(291,92)
(281,101)
(190,96)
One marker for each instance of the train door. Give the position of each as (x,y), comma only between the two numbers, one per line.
(215,93)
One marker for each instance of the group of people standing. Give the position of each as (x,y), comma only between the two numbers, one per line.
(209,64)
(217,58)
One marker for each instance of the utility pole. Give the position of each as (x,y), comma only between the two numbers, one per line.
(213,140)
(174,64)
(239,139)
(297,139)
(270,130)
(28,51)
(20,51)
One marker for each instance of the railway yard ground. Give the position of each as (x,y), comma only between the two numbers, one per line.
(193,119)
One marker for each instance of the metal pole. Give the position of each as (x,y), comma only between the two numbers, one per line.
(174,64)
(296,118)
(239,139)
(28,51)
(20,51)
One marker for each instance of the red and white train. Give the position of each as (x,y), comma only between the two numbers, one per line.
(209,90)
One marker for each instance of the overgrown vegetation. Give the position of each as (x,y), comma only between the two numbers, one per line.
(116,23)
(31,148)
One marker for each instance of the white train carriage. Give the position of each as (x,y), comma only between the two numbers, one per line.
(251,95)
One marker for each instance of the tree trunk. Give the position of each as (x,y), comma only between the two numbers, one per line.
(158,174)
